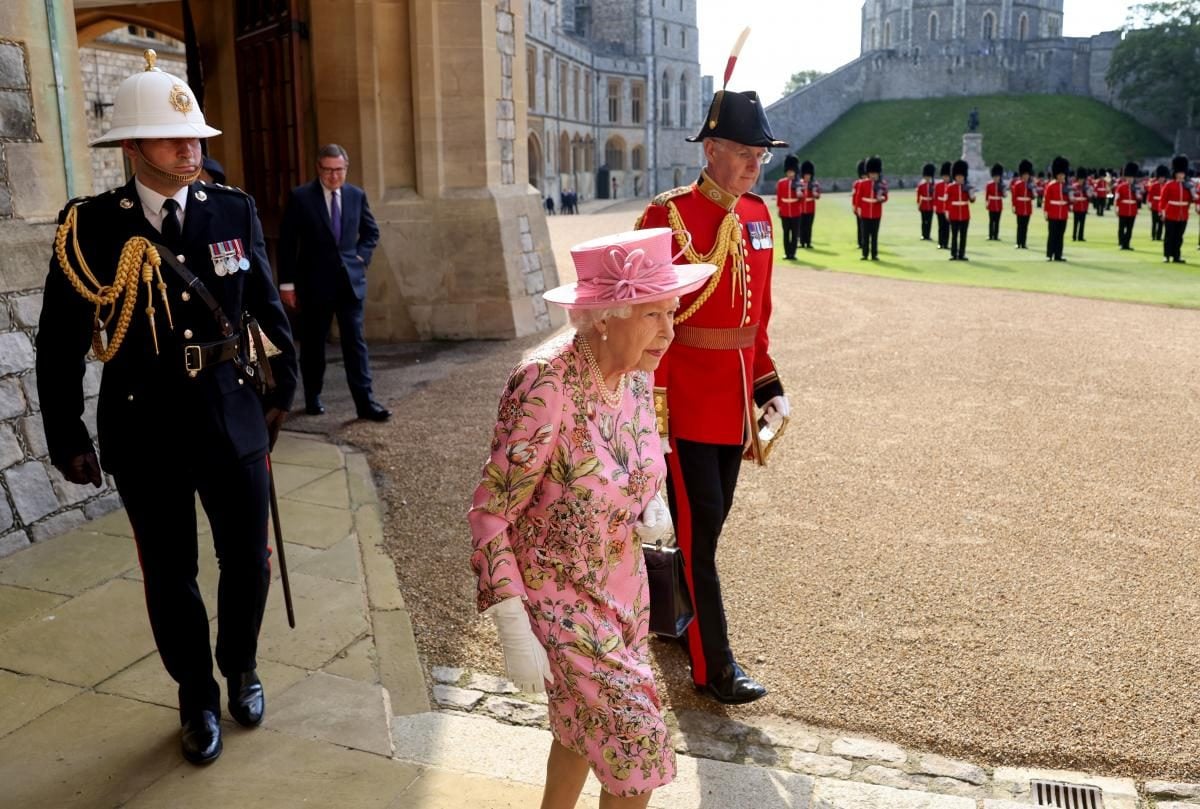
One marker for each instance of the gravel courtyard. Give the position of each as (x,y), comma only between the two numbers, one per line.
(979,536)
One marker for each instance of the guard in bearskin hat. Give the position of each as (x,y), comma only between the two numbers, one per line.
(1175,203)
(1081,202)
(166,279)
(1023,194)
(867,199)
(925,200)
(1154,187)
(994,194)
(787,200)
(1128,201)
(1057,208)
(718,378)
(959,196)
(939,206)
(810,192)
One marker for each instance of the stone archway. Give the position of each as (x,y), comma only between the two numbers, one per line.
(535,161)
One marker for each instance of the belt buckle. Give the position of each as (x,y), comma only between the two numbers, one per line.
(193,367)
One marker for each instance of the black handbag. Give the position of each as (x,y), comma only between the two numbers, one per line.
(670,605)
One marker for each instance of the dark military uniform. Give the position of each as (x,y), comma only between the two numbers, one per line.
(166,434)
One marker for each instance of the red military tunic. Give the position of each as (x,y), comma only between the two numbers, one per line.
(958,203)
(1100,188)
(718,365)
(1057,206)
(939,196)
(1126,198)
(786,199)
(995,196)
(925,195)
(1022,198)
(864,201)
(1079,197)
(1153,189)
(810,192)
(1175,201)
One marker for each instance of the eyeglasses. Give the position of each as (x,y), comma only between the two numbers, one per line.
(746,154)
(331,170)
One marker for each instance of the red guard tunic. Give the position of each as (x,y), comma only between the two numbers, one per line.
(718,364)
(958,203)
(1079,197)
(810,192)
(1175,201)
(1057,206)
(787,200)
(1153,189)
(1022,198)
(939,196)
(926,195)
(1100,188)
(995,200)
(1126,198)
(865,201)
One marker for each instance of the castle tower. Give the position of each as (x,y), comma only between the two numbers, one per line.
(936,26)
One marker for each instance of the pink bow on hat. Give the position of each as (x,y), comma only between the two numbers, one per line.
(628,274)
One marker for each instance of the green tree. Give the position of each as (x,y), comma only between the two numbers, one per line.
(800,79)
(1156,68)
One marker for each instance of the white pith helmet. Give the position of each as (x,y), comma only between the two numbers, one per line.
(154,104)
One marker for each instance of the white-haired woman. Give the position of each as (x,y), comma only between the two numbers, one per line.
(575,462)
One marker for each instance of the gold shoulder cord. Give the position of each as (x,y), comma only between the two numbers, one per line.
(729,240)
(137,254)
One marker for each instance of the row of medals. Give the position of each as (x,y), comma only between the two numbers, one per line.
(228,258)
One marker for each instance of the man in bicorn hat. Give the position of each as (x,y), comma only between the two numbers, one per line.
(810,192)
(718,370)
(1022,201)
(183,410)
(1175,202)
(1057,208)
(787,200)
(868,197)
(994,194)
(925,200)
(1127,201)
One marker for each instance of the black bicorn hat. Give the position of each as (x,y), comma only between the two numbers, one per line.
(807,168)
(875,165)
(791,163)
(1179,164)
(1060,165)
(998,170)
(928,170)
(1026,167)
(738,117)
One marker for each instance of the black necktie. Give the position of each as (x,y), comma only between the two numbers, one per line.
(172,233)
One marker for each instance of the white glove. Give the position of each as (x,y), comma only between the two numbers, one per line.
(654,524)
(776,410)
(524,656)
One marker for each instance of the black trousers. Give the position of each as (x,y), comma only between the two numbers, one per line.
(806,223)
(958,238)
(701,479)
(1156,226)
(316,315)
(791,234)
(1057,232)
(1022,231)
(859,221)
(1125,230)
(943,230)
(870,238)
(926,224)
(994,225)
(1173,239)
(162,510)
(1099,203)
(1079,221)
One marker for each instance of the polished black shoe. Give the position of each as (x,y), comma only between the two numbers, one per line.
(246,699)
(201,738)
(732,686)
(313,407)
(374,411)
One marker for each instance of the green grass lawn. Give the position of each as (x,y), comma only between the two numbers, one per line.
(1096,268)
(910,132)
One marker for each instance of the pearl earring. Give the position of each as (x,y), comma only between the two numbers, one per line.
(604,336)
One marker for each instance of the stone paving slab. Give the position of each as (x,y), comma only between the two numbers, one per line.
(301,450)
(289,477)
(18,605)
(339,562)
(329,617)
(1119,793)
(832,794)
(82,560)
(358,662)
(334,709)
(314,525)
(330,490)
(27,697)
(72,645)
(92,751)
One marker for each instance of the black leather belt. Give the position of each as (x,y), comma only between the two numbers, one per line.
(198,356)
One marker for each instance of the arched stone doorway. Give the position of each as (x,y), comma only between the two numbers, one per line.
(535,162)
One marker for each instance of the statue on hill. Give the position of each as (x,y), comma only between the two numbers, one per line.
(973,120)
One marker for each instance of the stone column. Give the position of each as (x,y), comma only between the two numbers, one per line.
(972,152)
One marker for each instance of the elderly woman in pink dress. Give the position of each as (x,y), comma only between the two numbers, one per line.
(575,466)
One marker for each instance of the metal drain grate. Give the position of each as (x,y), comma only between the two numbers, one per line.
(1066,796)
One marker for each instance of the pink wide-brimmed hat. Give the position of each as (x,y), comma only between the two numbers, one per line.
(627,268)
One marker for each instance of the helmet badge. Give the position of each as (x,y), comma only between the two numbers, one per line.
(181,99)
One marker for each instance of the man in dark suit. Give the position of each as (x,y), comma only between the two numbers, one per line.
(180,412)
(325,245)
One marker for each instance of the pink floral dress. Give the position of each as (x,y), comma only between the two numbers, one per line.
(552,522)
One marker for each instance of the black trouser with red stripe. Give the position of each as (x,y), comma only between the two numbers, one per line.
(1079,222)
(926,224)
(958,238)
(994,226)
(700,483)
(1125,230)
(791,234)
(1022,230)
(162,510)
(806,223)
(943,230)
(1173,239)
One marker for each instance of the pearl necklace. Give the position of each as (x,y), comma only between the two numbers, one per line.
(610,398)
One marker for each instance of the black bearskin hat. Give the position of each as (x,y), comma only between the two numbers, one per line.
(1026,167)
(807,168)
(874,165)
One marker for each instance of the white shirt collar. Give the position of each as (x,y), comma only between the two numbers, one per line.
(152,203)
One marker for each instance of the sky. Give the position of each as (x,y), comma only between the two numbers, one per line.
(791,35)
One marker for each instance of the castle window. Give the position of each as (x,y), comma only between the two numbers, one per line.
(989,26)
(682,37)
(874,38)
(1023,28)
(666,99)
(614,100)
(562,88)
(683,100)
(887,34)
(1053,25)
(636,102)
(531,75)
(614,153)
(547,63)
(666,39)
(638,159)
(933,27)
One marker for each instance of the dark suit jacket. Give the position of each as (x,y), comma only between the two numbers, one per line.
(148,406)
(308,255)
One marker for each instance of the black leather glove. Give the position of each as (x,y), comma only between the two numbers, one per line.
(84,468)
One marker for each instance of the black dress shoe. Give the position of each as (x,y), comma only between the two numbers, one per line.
(374,411)
(313,407)
(201,739)
(732,686)
(246,699)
